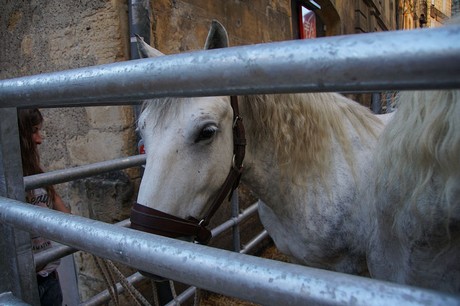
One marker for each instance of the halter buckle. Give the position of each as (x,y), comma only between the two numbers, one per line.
(235,121)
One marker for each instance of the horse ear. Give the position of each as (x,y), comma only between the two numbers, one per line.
(217,36)
(145,50)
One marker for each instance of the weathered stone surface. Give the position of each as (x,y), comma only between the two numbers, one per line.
(108,196)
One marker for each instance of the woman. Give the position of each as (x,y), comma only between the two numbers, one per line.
(30,124)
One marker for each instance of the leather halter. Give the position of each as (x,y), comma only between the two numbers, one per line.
(153,221)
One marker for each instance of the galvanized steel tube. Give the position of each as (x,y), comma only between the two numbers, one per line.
(235,220)
(7,298)
(235,213)
(184,296)
(254,242)
(54,253)
(246,277)
(423,58)
(70,174)
(104,296)
(59,251)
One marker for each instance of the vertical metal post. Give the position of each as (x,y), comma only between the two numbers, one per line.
(376,103)
(17,269)
(236,228)
(139,24)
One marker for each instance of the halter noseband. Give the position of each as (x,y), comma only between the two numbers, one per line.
(153,221)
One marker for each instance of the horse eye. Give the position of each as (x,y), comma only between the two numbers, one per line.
(206,133)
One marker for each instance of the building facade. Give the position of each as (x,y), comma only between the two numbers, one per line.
(414,14)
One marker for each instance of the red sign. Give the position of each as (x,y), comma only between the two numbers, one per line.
(307,23)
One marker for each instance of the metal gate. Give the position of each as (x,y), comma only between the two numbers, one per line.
(428,59)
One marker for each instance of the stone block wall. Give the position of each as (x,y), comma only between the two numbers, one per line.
(182,25)
(47,36)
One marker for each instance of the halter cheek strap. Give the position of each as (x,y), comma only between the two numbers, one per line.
(154,221)
(233,178)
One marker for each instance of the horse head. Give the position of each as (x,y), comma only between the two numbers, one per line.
(189,147)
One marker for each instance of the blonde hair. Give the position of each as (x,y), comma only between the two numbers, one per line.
(302,128)
(419,165)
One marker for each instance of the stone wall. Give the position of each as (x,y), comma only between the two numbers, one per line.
(46,36)
(182,25)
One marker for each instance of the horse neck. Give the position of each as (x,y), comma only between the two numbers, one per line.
(297,141)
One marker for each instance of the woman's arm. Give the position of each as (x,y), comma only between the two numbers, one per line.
(59,204)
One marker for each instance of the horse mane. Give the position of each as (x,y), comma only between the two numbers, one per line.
(304,126)
(419,150)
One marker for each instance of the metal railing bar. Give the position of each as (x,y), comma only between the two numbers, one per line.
(425,58)
(104,296)
(254,242)
(71,174)
(235,220)
(184,296)
(59,250)
(188,293)
(235,228)
(7,298)
(246,249)
(56,252)
(249,278)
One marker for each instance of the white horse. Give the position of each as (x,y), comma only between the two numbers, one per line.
(309,157)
